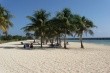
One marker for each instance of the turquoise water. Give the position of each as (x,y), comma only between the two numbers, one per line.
(104,42)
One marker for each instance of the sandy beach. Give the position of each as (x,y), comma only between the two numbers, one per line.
(93,59)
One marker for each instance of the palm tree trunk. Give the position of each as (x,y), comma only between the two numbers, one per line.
(81,42)
(57,40)
(52,41)
(41,41)
(46,41)
(41,38)
(34,41)
(65,40)
(6,35)
(41,31)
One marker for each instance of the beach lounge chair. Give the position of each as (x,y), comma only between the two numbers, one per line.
(54,45)
(26,45)
(57,45)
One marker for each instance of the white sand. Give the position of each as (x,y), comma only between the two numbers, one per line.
(93,59)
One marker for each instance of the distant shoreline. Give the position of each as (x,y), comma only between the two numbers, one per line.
(105,38)
(98,42)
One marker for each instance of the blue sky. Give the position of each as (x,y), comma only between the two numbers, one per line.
(96,10)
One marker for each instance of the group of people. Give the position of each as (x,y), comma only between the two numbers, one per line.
(27,45)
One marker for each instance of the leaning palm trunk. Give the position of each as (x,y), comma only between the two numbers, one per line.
(34,41)
(41,41)
(41,38)
(57,40)
(6,35)
(81,41)
(65,40)
(51,41)
(46,41)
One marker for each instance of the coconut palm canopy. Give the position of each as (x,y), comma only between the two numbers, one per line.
(38,23)
(83,25)
(5,22)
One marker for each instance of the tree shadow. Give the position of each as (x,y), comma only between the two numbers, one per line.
(7,47)
(34,47)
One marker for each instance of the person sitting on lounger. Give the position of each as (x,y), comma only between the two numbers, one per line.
(26,45)
(31,45)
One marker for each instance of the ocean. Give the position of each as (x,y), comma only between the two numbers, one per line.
(103,42)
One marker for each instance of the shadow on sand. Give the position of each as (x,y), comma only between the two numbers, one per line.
(7,47)
(34,47)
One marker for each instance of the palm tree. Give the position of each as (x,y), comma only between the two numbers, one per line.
(52,29)
(65,17)
(83,25)
(5,22)
(38,22)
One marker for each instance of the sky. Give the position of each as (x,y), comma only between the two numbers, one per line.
(97,11)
